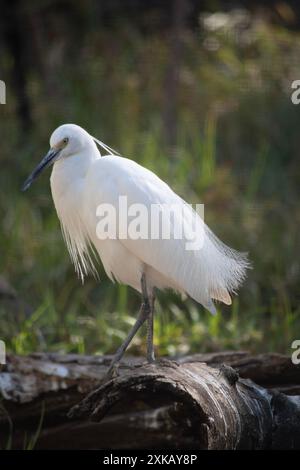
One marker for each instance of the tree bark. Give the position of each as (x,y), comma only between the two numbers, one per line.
(229,400)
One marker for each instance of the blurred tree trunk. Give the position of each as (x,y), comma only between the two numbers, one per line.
(15,33)
(180,9)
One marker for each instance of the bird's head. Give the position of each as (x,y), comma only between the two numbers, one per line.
(65,141)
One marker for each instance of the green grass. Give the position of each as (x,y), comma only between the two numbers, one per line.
(30,440)
(236,151)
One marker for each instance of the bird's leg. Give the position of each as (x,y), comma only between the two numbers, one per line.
(143,315)
(150,347)
(150,301)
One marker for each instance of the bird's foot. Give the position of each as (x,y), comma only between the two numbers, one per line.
(144,363)
(151,359)
(163,361)
(112,373)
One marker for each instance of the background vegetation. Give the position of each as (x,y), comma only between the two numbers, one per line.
(199,95)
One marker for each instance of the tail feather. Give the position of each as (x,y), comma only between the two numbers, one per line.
(222,295)
(226,269)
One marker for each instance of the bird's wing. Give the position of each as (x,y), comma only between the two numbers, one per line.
(210,270)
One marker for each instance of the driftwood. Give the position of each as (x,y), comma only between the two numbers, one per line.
(225,400)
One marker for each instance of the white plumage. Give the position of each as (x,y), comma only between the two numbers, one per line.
(82,179)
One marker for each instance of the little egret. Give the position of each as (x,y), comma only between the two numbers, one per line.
(82,180)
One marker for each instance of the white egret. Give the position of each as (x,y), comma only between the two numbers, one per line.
(82,179)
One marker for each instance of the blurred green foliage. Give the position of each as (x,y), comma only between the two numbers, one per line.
(236,150)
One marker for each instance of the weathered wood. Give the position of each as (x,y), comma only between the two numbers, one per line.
(190,403)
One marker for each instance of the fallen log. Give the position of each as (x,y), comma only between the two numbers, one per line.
(227,400)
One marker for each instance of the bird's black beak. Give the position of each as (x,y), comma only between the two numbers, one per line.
(46,161)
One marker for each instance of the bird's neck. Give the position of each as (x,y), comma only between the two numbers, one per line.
(70,172)
(68,189)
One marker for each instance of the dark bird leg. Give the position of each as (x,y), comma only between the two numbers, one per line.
(150,346)
(142,317)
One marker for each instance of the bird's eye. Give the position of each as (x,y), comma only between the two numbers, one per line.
(65,140)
